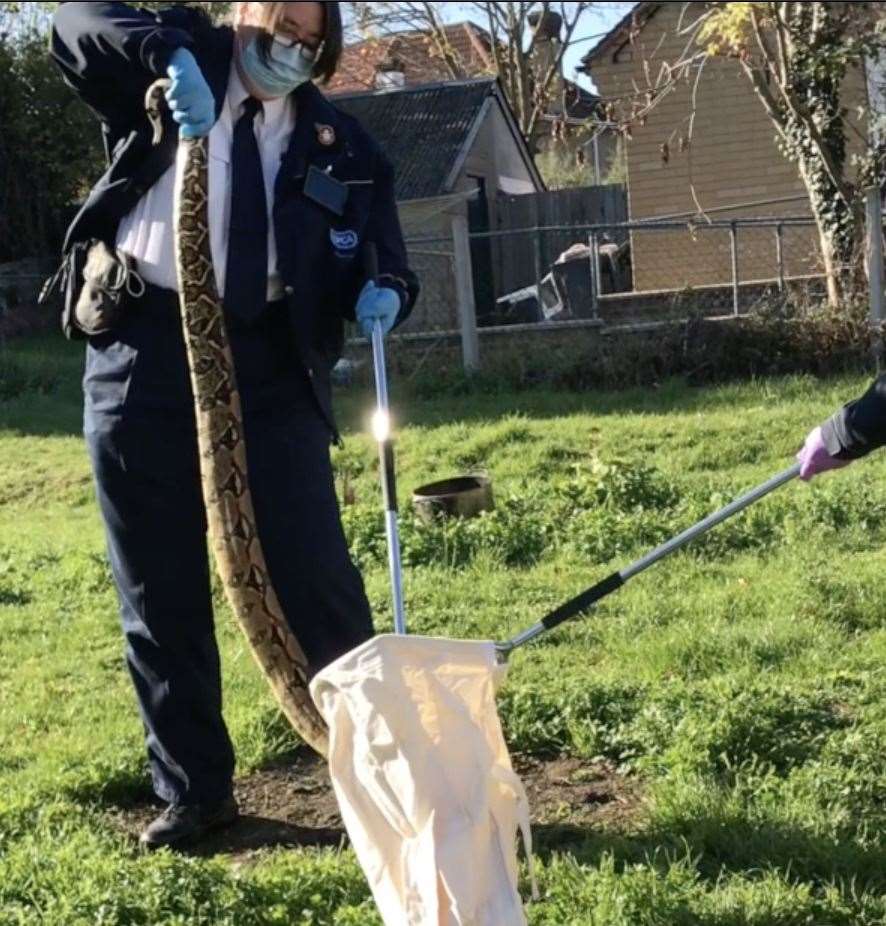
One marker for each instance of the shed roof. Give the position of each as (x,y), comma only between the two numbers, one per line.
(426,130)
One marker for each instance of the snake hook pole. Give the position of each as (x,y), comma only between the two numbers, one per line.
(382,427)
(585,602)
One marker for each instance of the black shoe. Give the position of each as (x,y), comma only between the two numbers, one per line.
(184,824)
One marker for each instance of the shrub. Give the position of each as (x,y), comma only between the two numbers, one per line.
(16,380)
(600,510)
(778,337)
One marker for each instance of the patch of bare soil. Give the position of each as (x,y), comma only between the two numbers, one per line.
(293,805)
(578,792)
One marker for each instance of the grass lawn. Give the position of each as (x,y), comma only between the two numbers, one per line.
(735,691)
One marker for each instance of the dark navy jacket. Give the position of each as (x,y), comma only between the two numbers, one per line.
(860,426)
(110,53)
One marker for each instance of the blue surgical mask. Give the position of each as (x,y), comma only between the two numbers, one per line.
(286,67)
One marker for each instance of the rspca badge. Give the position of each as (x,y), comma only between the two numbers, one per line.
(344,242)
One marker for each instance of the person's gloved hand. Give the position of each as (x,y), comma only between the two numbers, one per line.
(189,97)
(377,302)
(814,458)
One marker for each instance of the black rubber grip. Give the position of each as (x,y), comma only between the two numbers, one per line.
(370,260)
(583,601)
(389,476)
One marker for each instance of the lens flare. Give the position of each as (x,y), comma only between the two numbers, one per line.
(381,425)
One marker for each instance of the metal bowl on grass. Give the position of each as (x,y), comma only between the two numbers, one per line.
(460,497)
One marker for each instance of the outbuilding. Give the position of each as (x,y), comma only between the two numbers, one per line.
(455,147)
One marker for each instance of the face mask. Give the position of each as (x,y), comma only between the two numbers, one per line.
(287,67)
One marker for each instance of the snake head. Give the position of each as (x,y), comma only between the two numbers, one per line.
(155,100)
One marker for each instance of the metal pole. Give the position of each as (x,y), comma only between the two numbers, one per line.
(702,527)
(733,239)
(585,601)
(464,289)
(779,255)
(875,268)
(595,276)
(586,227)
(382,428)
(598,268)
(386,456)
(539,268)
(597,158)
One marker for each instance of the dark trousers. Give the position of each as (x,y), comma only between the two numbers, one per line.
(140,431)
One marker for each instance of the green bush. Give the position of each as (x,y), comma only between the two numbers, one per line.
(620,508)
(780,336)
(17,380)
(599,510)
(47,133)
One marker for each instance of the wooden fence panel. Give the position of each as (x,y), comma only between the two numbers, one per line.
(514,256)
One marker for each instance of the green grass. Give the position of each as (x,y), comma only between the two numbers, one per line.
(741,682)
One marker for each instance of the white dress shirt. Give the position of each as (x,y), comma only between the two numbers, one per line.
(147,233)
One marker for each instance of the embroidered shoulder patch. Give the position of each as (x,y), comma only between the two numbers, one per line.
(344,240)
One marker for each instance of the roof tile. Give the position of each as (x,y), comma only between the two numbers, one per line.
(421,129)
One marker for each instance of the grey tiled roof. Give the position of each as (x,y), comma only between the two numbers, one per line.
(422,129)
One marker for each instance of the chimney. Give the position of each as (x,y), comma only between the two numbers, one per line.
(551,26)
(390,74)
(547,28)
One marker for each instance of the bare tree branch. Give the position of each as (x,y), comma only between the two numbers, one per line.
(798,110)
(782,38)
(516,30)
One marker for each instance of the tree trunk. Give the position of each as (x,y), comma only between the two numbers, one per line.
(831,267)
(826,238)
(840,226)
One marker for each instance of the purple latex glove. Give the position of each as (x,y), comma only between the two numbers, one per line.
(814,458)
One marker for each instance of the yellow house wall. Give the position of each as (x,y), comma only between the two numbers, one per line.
(731,159)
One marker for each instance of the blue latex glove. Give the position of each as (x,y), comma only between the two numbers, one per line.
(814,458)
(189,97)
(377,302)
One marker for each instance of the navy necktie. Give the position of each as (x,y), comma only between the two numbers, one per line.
(246,279)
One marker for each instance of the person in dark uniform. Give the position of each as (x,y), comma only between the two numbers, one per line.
(297,188)
(849,434)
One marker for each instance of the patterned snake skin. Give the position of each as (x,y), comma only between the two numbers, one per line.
(232,528)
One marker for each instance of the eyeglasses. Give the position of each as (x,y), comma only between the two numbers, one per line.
(288,41)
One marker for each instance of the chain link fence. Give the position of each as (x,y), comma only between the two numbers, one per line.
(709,269)
(437,307)
(430,339)
(548,289)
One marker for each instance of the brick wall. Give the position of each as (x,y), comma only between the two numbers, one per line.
(416,53)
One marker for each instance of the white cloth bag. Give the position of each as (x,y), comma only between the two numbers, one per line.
(424,780)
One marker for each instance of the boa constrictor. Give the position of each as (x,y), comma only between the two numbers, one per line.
(229,509)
